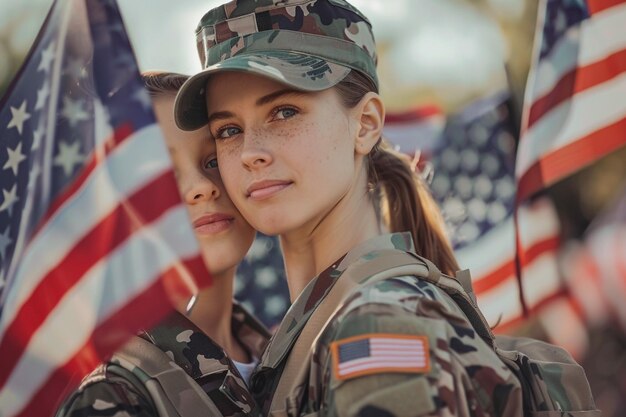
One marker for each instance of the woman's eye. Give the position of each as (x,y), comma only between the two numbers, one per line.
(211,163)
(285,113)
(227,132)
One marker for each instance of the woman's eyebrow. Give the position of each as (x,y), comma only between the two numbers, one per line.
(277,94)
(220,115)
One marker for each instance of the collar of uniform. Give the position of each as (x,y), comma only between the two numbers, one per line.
(249,331)
(298,314)
(197,353)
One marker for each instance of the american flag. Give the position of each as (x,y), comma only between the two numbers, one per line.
(474,183)
(260,283)
(574,114)
(93,235)
(574,107)
(374,353)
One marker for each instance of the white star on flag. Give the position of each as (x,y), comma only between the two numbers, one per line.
(73,111)
(68,157)
(42,95)
(19,116)
(15,157)
(47,56)
(10,198)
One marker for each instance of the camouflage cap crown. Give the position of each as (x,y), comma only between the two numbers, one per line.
(308,44)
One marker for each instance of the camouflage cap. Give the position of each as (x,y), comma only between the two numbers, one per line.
(310,45)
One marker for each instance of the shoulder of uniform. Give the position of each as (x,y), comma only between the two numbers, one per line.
(103,393)
(385,359)
(403,292)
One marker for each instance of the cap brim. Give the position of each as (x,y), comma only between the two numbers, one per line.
(295,69)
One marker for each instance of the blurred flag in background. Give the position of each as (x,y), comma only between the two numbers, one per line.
(595,268)
(473,180)
(574,114)
(574,107)
(94,239)
(500,225)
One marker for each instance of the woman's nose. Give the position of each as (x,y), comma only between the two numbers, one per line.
(200,188)
(255,153)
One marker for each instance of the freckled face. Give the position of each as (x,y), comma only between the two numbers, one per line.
(222,232)
(286,157)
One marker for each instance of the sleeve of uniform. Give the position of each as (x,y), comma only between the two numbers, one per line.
(107,398)
(413,357)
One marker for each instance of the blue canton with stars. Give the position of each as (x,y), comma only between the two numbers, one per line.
(474,170)
(260,284)
(69,94)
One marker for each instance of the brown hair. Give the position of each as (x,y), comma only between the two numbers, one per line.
(407,202)
(158,83)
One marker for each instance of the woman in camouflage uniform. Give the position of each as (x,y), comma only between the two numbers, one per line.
(290,92)
(218,343)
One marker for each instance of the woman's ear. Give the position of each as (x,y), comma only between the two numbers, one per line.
(370,113)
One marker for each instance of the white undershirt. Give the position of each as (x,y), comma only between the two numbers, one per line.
(245,369)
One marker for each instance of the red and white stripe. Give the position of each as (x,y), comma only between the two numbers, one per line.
(574,110)
(584,281)
(107,245)
(388,353)
(491,261)
(538,236)
(608,247)
(564,325)
(596,274)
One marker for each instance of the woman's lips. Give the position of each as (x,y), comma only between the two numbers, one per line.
(262,190)
(213,223)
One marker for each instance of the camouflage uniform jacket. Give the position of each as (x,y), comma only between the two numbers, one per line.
(105,393)
(458,374)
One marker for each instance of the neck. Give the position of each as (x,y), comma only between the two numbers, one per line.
(212,313)
(311,249)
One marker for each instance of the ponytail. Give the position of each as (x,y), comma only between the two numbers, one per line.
(406,201)
(408,206)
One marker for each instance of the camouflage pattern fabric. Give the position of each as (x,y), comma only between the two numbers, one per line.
(465,377)
(242,26)
(310,45)
(113,390)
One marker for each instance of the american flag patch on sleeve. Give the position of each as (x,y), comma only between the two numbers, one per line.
(379,353)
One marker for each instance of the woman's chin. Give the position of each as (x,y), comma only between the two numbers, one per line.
(271,230)
(220,264)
